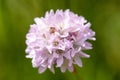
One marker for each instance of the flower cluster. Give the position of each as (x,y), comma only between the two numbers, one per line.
(58,39)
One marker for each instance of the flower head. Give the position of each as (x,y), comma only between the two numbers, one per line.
(58,39)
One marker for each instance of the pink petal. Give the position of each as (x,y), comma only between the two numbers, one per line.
(42,69)
(52,69)
(50,62)
(38,21)
(59,61)
(70,62)
(73,53)
(87,45)
(78,61)
(63,69)
(67,55)
(70,68)
(84,55)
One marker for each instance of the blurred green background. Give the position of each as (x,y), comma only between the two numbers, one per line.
(17,15)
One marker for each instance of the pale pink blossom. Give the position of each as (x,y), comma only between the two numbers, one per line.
(58,40)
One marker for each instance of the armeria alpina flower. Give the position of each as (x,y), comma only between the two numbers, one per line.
(58,39)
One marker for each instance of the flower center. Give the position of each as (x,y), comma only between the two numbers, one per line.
(59,51)
(52,30)
(55,43)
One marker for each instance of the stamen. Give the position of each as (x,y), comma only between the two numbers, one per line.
(55,43)
(52,30)
(59,51)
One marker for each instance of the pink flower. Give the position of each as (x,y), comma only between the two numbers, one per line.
(58,39)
